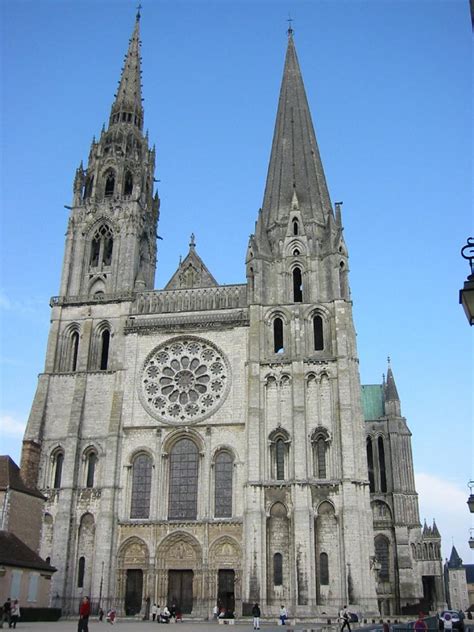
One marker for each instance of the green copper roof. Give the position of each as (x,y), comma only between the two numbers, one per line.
(372,401)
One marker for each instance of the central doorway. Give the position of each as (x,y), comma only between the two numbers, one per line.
(180,590)
(133,591)
(225,590)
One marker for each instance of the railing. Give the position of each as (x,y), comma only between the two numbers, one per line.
(56,301)
(191,300)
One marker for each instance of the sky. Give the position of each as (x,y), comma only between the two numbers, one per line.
(389,87)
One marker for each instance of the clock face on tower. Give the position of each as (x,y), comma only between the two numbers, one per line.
(184,380)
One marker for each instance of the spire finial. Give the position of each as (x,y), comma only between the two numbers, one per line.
(192,241)
(388,360)
(290,25)
(139,8)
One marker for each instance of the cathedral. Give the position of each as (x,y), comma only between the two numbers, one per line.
(210,444)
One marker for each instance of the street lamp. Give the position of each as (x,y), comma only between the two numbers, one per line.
(471,539)
(470,500)
(466,295)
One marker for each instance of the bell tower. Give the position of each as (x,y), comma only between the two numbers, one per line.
(111,236)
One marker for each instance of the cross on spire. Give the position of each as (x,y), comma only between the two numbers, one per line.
(290,25)
(139,8)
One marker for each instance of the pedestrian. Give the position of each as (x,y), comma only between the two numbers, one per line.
(215,612)
(7,609)
(154,612)
(256,617)
(283,614)
(173,612)
(420,624)
(448,622)
(165,615)
(101,615)
(15,613)
(345,617)
(84,614)
(111,616)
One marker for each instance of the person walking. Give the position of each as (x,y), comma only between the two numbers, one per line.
(345,618)
(15,613)
(256,617)
(7,610)
(84,614)
(283,614)
(154,612)
(215,612)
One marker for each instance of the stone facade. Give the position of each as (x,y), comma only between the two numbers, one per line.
(207,442)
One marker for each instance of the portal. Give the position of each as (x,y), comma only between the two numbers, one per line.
(133,591)
(180,590)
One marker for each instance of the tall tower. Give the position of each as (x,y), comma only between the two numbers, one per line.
(311,488)
(111,236)
(72,439)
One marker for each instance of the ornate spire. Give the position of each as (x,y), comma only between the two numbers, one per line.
(392,400)
(295,163)
(127,107)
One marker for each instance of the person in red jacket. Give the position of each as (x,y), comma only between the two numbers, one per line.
(84,613)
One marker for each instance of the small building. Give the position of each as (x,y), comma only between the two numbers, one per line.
(455,574)
(24,575)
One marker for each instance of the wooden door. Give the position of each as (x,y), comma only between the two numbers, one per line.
(180,590)
(225,591)
(133,591)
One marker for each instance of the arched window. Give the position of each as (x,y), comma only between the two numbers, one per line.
(109,184)
(88,187)
(91,467)
(370,464)
(128,184)
(58,469)
(184,465)
(101,247)
(383,474)
(280,459)
(343,280)
(223,468)
(80,572)
(323,569)
(318,333)
(382,554)
(104,350)
(278,569)
(295,227)
(321,457)
(141,486)
(297,285)
(74,349)
(278,335)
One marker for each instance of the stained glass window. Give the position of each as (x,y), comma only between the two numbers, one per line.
(223,485)
(141,487)
(184,463)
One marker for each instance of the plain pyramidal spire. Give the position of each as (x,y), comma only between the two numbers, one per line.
(127,107)
(295,162)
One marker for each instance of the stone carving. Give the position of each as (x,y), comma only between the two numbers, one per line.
(184,380)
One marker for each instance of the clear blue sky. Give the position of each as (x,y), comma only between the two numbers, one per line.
(389,86)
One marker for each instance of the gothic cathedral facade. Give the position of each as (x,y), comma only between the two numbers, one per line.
(212,443)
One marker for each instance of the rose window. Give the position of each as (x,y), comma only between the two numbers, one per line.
(184,380)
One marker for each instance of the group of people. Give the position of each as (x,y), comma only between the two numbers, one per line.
(165,614)
(10,613)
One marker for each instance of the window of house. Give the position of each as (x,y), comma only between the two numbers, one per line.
(318,333)
(278,335)
(15,586)
(183,489)
(324,569)
(278,569)
(297,286)
(223,471)
(141,486)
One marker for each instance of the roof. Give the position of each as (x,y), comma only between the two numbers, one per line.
(192,272)
(454,561)
(372,401)
(10,477)
(469,573)
(14,552)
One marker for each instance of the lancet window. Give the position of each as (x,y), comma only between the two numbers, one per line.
(297,285)
(278,340)
(101,247)
(58,461)
(141,486)
(183,486)
(223,474)
(318,333)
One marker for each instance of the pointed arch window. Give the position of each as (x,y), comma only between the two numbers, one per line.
(58,469)
(280,459)
(183,487)
(297,285)
(278,345)
(370,464)
(323,569)
(223,472)
(88,187)
(296,227)
(383,473)
(91,461)
(101,247)
(320,442)
(321,457)
(342,280)
(74,349)
(318,333)
(278,569)
(382,555)
(128,184)
(141,486)
(81,568)
(109,184)
(104,351)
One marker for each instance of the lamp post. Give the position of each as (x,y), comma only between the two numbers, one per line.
(471,539)
(466,295)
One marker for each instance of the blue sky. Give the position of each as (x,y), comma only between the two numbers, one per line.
(389,86)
